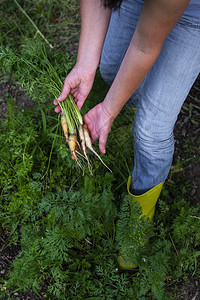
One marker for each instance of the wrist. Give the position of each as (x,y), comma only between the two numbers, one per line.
(89,65)
(107,111)
(84,71)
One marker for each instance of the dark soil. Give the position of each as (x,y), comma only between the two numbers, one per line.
(12,90)
(189,290)
(187,141)
(8,253)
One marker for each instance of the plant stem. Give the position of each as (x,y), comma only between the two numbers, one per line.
(34,25)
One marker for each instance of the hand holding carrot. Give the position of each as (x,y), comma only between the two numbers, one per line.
(79,83)
(99,123)
(77,133)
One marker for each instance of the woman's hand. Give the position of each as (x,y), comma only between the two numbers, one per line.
(79,83)
(99,123)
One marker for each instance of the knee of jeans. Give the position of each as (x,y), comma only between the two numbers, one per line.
(108,72)
(154,139)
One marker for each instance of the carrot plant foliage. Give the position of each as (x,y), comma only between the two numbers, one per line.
(71,228)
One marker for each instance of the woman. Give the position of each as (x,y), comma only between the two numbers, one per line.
(149,54)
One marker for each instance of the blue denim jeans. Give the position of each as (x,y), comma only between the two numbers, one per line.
(160,96)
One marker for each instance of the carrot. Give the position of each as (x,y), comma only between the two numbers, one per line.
(65,126)
(83,145)
(89,145)
(72,145)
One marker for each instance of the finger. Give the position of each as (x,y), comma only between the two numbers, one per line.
(75,94)
(73,91)
(55,102)
(81,99)
(85,117)
(57,109)
(79,104)
(89,128)
(87,122)
(65,91)
(102,142)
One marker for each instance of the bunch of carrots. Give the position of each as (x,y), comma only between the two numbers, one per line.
(41,75)
(76,133)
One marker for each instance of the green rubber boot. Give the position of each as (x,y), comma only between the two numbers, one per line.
(147,202)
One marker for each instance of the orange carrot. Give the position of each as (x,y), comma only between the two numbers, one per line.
(65,126)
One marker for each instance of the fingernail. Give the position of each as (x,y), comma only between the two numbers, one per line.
(58,99)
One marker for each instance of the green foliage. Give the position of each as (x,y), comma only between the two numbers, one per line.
(57,20)
(67,227)
(71,228)
(37,68)
(132,229)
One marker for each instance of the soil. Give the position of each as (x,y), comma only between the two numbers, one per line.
(187,142)
(10,89)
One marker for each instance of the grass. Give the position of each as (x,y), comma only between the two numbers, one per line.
(69,228)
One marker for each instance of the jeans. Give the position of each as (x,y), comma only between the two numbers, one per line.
(160,96)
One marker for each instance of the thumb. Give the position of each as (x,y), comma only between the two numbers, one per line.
(102,142)
(65,91)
